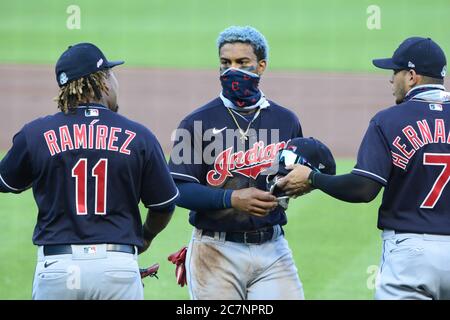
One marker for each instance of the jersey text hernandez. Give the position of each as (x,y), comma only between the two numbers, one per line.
(417,136)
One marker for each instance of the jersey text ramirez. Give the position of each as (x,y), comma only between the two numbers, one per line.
(98,137)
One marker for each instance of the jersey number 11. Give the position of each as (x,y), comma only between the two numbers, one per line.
(100,173)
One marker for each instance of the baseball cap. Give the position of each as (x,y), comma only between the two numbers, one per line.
(306,151)
(79,61)
(420,54)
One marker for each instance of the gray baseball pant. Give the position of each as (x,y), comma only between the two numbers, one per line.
(87,274)
(414,267)
(224,270)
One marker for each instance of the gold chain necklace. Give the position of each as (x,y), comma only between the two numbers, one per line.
(244,134)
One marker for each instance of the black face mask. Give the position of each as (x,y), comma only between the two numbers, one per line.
(240,87)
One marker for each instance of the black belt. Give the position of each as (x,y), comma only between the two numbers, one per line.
(254,237)
(55,249)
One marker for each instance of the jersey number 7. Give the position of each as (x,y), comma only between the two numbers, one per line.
(100,172)
(436,159)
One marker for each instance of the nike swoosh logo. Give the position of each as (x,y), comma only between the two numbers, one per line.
(400,241)
(48,264)
(216,131)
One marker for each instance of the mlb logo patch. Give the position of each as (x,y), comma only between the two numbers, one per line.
(91,113)
(90,250)
(435,107)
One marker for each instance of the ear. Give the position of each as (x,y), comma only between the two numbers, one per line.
(262,64)
(413,78)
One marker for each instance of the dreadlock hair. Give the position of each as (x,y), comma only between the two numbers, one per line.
(85,89)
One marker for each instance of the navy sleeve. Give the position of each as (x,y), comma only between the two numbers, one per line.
(158,190)
(374,155)
(347,187)
(195,196)
(15,168)
(186,159)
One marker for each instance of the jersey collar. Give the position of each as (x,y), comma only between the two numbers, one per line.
(422,88)
(92,105)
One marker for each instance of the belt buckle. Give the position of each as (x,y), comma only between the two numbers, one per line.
(245,238)
(259,233)
(261,237)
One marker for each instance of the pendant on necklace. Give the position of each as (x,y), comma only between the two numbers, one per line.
(243,136)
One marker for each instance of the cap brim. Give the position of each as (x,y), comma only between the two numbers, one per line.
(111,64)
(386,64)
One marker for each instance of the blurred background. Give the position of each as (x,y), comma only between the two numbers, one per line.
(319,67)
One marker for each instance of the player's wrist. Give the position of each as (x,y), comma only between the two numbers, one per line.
(234,198)
(311,178)
(226,200)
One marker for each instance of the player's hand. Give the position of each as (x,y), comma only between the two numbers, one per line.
(144,247)
(296,182)
(253,201)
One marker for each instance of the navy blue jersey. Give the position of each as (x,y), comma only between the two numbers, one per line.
(407,149)
(209,150)
(89,170)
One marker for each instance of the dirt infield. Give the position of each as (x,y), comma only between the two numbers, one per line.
(333,107)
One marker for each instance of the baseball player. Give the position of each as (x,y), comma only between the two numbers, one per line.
(89,168)
(238,250)
(406,150)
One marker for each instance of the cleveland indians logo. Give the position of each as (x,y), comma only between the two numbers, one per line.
(249,163)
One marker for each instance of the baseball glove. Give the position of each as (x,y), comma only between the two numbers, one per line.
(150,271)
(178,258)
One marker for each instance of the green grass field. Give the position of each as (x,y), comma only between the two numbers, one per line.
(303,34)
(333,243)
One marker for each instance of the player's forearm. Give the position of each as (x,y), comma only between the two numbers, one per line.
(155,222)
(347,187)
(195,196)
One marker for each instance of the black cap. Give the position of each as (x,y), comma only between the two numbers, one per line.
(310,152)
(420,54)
(81,60)
(306,151)
(316,153)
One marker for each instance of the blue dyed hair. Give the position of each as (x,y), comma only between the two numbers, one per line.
(248,35)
